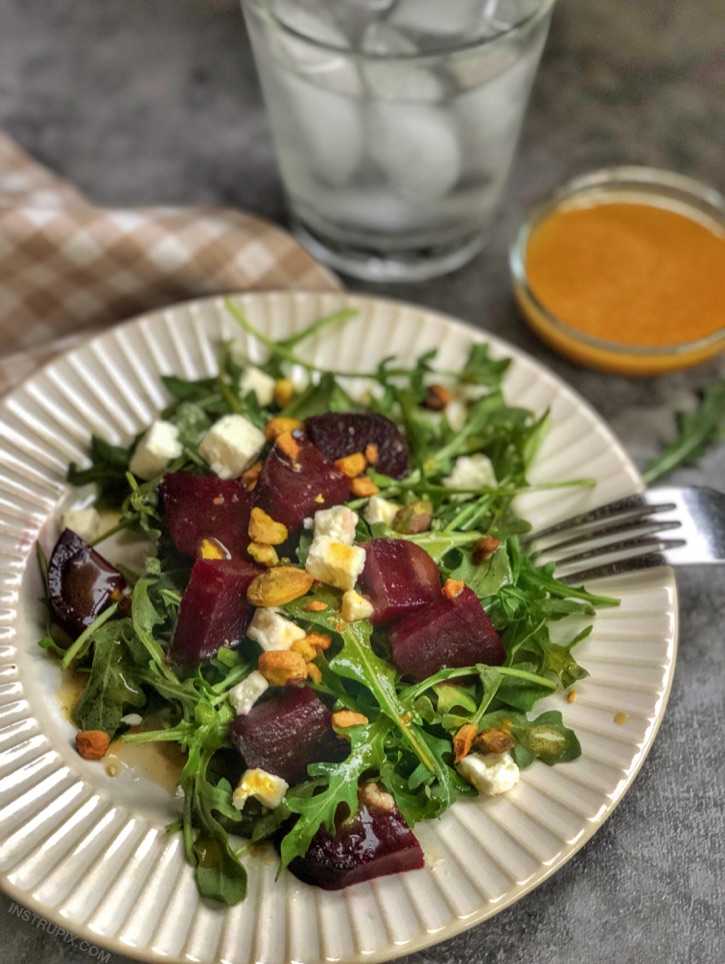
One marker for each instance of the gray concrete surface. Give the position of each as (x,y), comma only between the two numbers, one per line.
(154,101)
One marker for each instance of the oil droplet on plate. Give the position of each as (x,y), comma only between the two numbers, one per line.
(621,718)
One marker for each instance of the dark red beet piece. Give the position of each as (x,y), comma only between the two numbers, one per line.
(81,583)
(447,633)
(373,843)
(337,434)
(206,507)
(398,578)
(214,611)
(291,490)
(286,733)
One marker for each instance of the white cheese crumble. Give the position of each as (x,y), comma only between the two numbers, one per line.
(254,380)
(132,719)
(231,445)
(471,472)
(156,448)
(379,509)
(265,787)
(86,523)
(272,630)
(335,563)
(337,522)
(244,695)
(354,607)
(491,773)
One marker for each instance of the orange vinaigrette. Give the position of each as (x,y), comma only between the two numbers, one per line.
(625,281)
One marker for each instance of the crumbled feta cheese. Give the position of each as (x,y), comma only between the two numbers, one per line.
(334,562)
(244,695)
(379,509)
(86,523)
(132,719)
(337,522)
(491,773)
(471,472)
(272,630)
(259,382)
(354,607)
(231,445)
(156,448)
(265,787)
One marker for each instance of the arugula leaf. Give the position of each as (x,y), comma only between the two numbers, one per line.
(560,661)
(109,465)
(145,618)
(198,391)
(481,369)
(484,578)
(324,396)
(111,686)
(697,432)
(218,872)
(341,779)
(546,738)
(357,661)
(193,423)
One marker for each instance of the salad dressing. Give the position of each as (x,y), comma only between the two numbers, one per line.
(623,270)
(159,762)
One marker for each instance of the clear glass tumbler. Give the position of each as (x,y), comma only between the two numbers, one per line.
(395,122)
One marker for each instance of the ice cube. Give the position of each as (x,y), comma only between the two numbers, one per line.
(311,18)
(416,145)
(380,38)
(518,61)
(504,14)
(490,116)
(396,79)
(314,46)
(354,16)
(369,210)
(438,20)
(331,127)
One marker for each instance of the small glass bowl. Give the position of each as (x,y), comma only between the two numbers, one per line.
(675,192)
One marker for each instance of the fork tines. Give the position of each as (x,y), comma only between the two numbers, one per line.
(624,535)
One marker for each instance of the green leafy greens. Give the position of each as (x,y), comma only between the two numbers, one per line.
(404,736)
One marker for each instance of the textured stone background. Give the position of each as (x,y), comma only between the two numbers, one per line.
(153,101)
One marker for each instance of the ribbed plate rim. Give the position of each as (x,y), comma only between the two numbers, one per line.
(663,579)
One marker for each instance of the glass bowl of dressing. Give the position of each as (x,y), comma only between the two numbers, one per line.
(623,270)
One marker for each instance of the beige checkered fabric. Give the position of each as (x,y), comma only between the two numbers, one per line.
(68,267)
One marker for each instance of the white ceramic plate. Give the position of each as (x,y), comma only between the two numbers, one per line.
(90,852)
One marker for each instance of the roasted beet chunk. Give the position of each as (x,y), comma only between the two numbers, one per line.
(398,578)
(337,434)
(205,507)
(81,583)
(286,733)
(214,611)
(292,487)
(449,632)
(376,841)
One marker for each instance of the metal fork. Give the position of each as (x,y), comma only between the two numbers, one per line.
(624,536)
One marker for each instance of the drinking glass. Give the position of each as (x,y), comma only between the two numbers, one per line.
(395,122)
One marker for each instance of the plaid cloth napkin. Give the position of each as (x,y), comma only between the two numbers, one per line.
(67,267)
